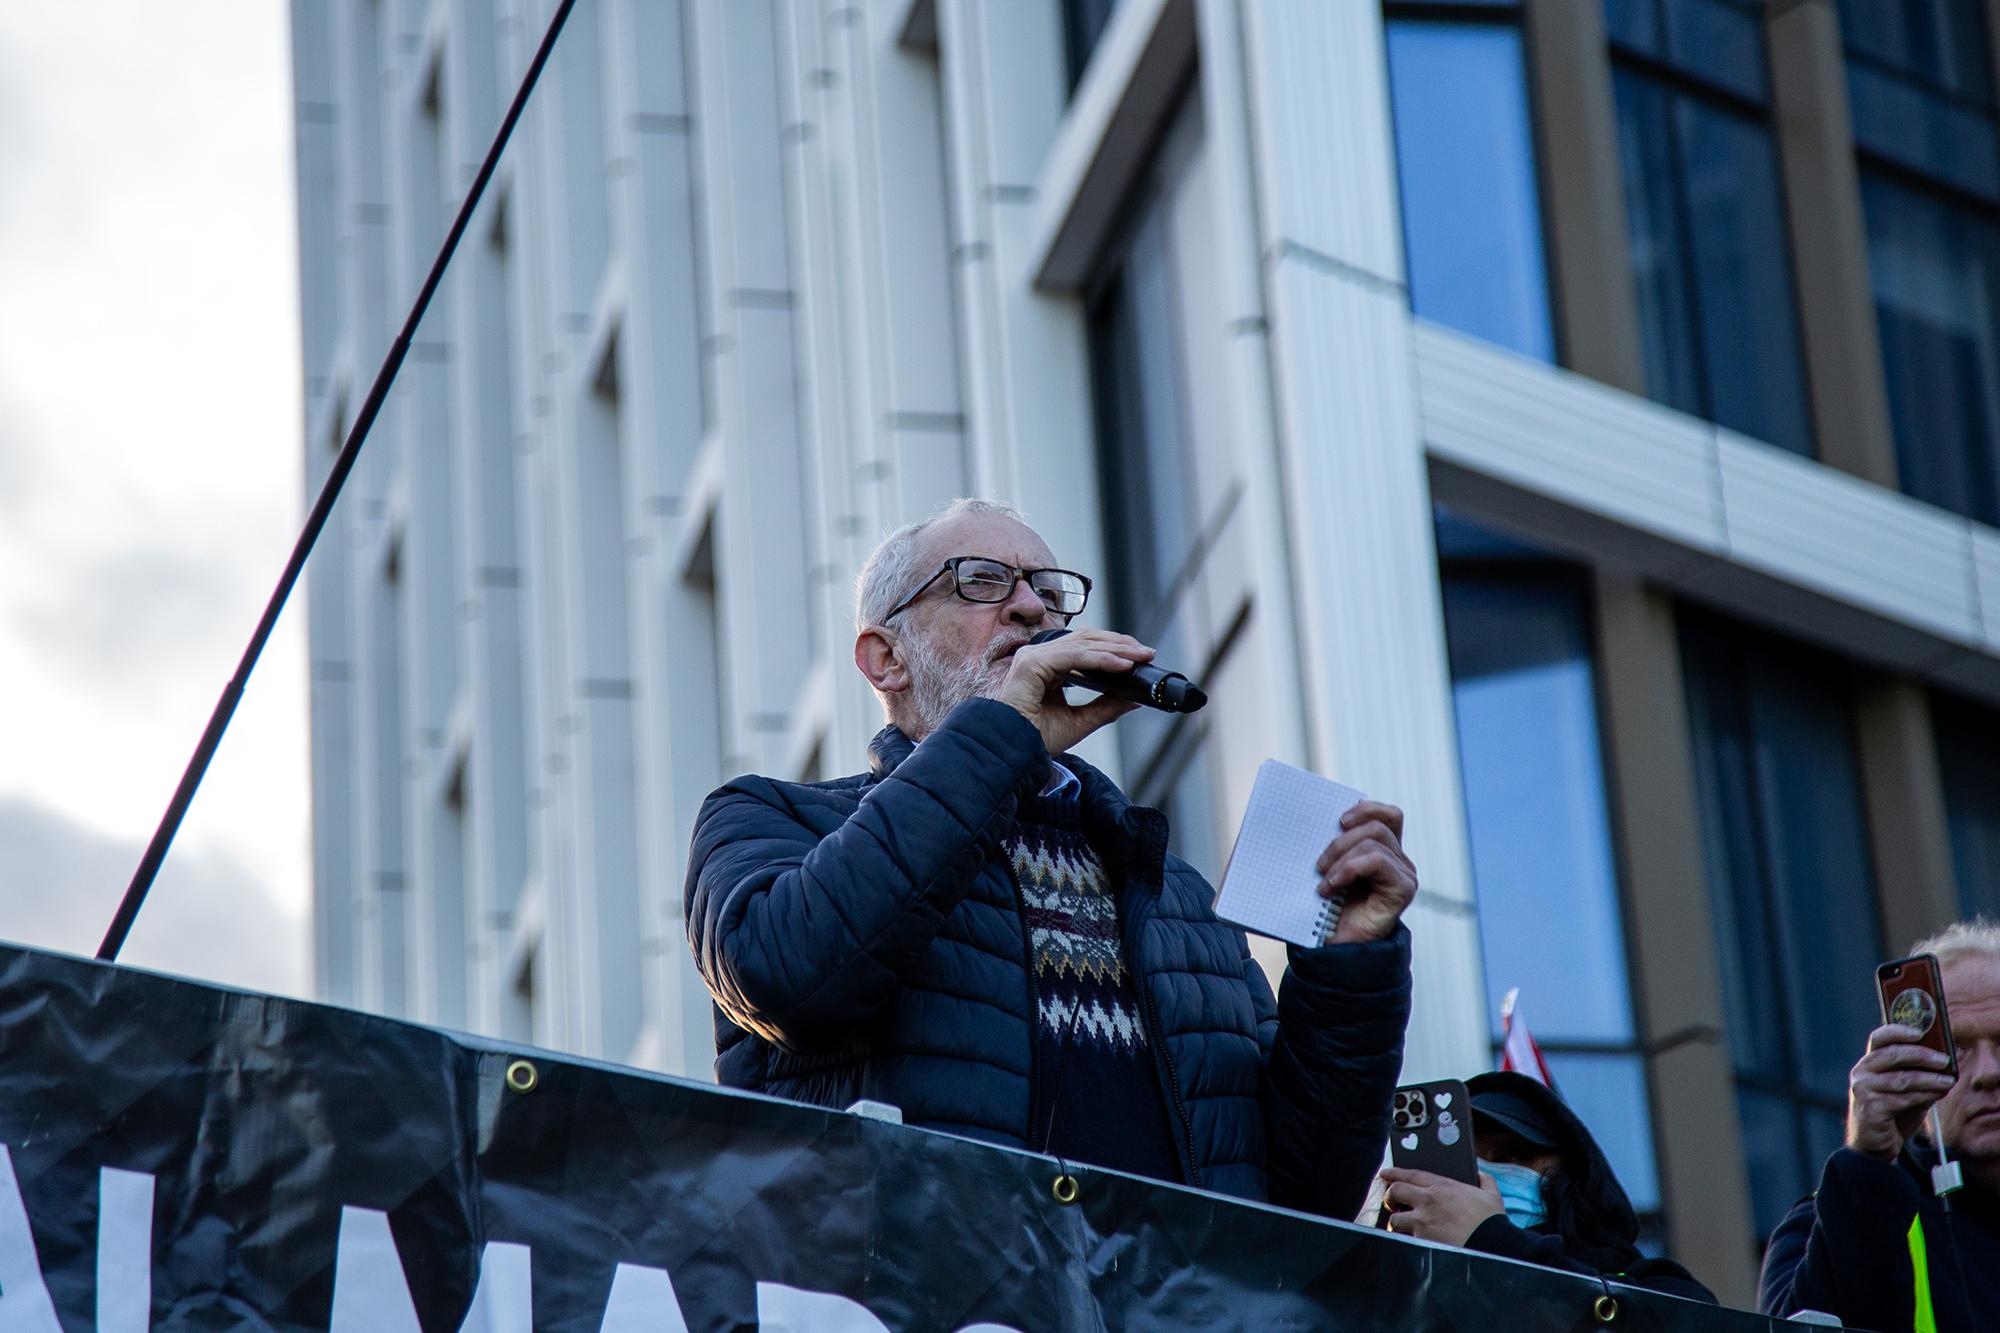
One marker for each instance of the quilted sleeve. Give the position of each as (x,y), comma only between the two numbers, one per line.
(800,938)
(1331,1070)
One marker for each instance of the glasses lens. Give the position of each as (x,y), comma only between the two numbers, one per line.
(1062,591)
(984,581)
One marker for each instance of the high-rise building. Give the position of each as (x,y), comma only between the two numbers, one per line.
(1578,423)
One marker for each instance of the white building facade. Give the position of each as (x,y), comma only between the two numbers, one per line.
(759,280)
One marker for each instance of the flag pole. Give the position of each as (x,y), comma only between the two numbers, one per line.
(232,693)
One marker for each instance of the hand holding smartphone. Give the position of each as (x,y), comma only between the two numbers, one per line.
(1430,1129)
(1908,1066)
(1912,994)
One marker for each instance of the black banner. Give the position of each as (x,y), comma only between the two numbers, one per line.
(180,1156)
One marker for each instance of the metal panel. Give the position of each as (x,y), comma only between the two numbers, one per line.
(1320,78)
(1568,438)
(1128,96)
(1731,521)
(1820,528)
(1986,582)
(1357,497)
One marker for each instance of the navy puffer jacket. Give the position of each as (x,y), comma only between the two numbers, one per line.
(863,938)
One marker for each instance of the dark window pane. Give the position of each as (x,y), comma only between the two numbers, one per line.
(1140,431)
(1460,538)
(1149,341)
(1636,25)
(1084,22)
(1472,219)
(1743,276)
(1935,270)
(1662,266)
(1718,322)
(1609,1093)
(1184,790)
(1791,887)
(1818,859)
(1941,44)
(1717,42)
(1774,1154)
(1542,859)
(1709,255)
(1724,748)
(1720,41)
(1896,119)
(1968,744)
(1825,1131)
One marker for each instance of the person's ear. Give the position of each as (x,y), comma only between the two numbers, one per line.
(880,658)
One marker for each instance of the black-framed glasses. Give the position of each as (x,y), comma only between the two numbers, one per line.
(979,579)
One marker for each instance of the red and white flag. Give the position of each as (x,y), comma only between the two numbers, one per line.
(1518,1051)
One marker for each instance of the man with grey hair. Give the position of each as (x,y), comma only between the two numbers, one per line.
(1876,1245)
(985,932)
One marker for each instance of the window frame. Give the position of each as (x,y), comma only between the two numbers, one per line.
(1486,14)
(1678,83)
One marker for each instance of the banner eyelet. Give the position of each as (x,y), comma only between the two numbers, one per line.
(522,1076)
(1605,1308)
(1064,1188)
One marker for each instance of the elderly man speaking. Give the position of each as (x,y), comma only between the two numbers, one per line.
(985,932)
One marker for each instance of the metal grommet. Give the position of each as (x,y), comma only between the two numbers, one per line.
(1064,1188)
(1605,1308)
(522,1076)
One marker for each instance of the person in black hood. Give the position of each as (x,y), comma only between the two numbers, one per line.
(1546,1194)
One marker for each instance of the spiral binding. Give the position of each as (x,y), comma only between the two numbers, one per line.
(1329,916)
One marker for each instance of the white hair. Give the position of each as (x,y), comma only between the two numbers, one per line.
(893,570)
(1977,938)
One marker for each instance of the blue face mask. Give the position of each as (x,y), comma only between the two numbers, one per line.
(1520,1192)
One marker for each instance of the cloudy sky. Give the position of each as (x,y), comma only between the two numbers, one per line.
(149,478)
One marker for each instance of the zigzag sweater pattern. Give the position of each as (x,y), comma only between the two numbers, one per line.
(1096,1077)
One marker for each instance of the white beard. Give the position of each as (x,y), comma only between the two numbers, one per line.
(938,686)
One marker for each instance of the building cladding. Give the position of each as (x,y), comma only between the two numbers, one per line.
(1576,424)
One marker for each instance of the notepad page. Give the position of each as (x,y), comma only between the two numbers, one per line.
(1271,885)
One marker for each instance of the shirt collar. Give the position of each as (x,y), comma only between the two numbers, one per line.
(1063,784)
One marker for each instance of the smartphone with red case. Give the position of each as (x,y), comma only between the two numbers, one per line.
(1430,1129)
(1912,993)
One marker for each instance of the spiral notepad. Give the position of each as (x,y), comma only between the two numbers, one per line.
(1271,885)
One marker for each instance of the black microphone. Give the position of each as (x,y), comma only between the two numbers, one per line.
(1153,686)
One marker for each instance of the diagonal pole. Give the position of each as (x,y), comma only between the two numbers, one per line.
(343,464)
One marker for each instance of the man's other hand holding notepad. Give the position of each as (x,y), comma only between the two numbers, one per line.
(1316,863)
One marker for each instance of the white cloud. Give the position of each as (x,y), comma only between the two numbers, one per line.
(149,463)
(60,884)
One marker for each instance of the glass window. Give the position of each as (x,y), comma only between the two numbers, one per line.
(1543,862)
(1934,265)
(1523,687)
(1717,315)
(1152,336)
(1141,432)
(1792,892)
(1938,44)
(1084,22)
(1968,745)
(1904,123)
(1921,96)
(1472,220)
(1720,42)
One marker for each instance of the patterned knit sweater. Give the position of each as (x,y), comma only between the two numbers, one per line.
(1097,1097)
